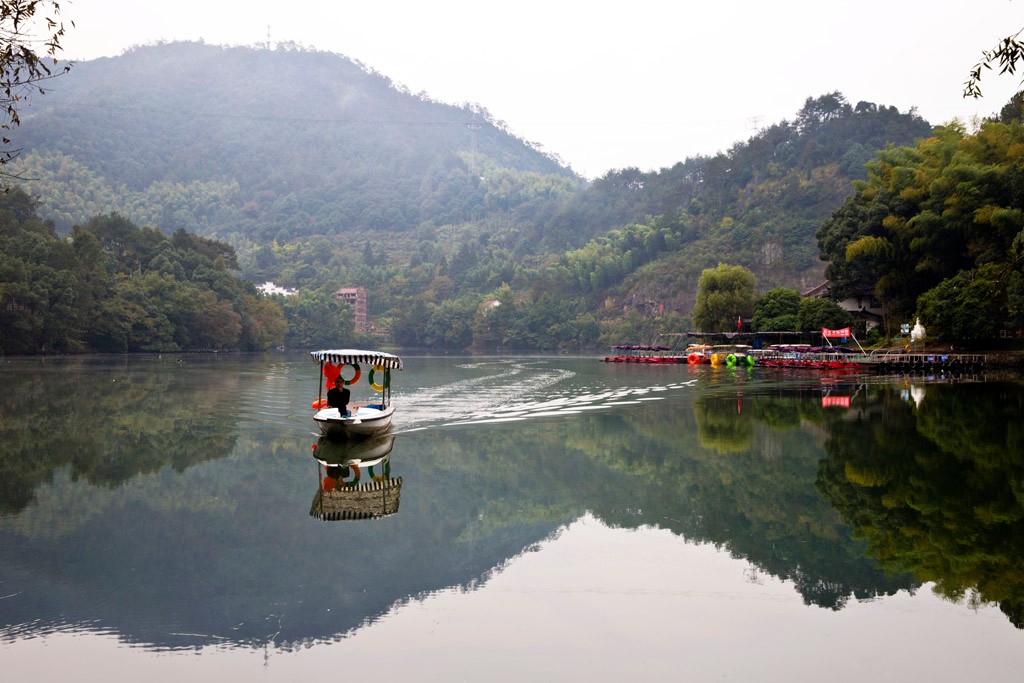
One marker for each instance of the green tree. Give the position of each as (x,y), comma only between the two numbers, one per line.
(215,324)
(92,287)
(815,314)
(263,324)
(777,310)
(1012,110)
(157,311)
(967,306)
(410,325)
(316,319)
(450,327)
(114,287)
(724,294)
(492,323)
(37,287)
(872,243)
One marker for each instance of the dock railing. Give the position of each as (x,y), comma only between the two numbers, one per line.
(903,360)
(876,360)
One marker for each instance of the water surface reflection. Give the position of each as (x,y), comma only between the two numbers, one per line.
(171,510)
(342,493)
(935,486)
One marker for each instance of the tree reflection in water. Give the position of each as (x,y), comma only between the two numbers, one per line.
(936,488)
(862,495)
(107,421)
(739,472)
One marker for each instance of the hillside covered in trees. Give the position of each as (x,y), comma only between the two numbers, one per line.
(937,232)
(114,287)
(319,173)
(266,144)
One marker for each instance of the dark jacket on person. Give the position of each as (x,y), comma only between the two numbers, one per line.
(338,398)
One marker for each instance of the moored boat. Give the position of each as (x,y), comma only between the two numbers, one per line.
(642,353)
(731,356)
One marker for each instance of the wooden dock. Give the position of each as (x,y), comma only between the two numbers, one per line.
(885,362)
(921,362)
(878,361)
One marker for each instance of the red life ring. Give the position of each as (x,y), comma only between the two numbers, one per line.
(355,377)
(693,359)
(350,469)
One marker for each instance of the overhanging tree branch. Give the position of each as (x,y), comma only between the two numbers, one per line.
(30,35)
(1007,54)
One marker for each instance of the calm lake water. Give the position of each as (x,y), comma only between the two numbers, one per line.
(545,519)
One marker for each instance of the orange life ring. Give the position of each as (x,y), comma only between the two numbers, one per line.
(693,359)
(355,377)
(318,404)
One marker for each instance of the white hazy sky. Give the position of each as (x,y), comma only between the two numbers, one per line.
(606,85)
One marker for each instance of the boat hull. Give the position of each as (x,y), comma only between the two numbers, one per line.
(365,421)
(362,451)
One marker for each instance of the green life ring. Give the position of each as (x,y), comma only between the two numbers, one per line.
(382,477)
(385,383)
(730,360)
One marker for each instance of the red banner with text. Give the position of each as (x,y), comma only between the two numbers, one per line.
(835,334)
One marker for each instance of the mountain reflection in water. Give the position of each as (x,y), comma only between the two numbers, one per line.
(169,502)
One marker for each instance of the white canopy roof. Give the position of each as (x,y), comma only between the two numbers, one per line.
(351,356)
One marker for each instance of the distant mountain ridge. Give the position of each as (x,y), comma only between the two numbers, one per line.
(320,173)
(266,143)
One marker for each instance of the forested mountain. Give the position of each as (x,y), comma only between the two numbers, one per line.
(757,205)
(264,143)
(319,173)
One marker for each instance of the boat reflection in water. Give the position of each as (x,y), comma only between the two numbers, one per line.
(354,479)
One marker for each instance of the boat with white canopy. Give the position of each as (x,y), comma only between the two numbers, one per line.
(368,419)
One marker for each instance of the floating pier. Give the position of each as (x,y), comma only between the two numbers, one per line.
(924,362)
(816,359)
(884,362)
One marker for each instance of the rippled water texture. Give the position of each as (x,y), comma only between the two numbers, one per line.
(538,518)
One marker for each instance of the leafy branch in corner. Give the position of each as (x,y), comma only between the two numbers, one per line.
(30,35)
(1007,54)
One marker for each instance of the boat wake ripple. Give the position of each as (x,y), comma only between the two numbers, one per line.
(514,390)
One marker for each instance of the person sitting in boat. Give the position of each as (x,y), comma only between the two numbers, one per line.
(338,397)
